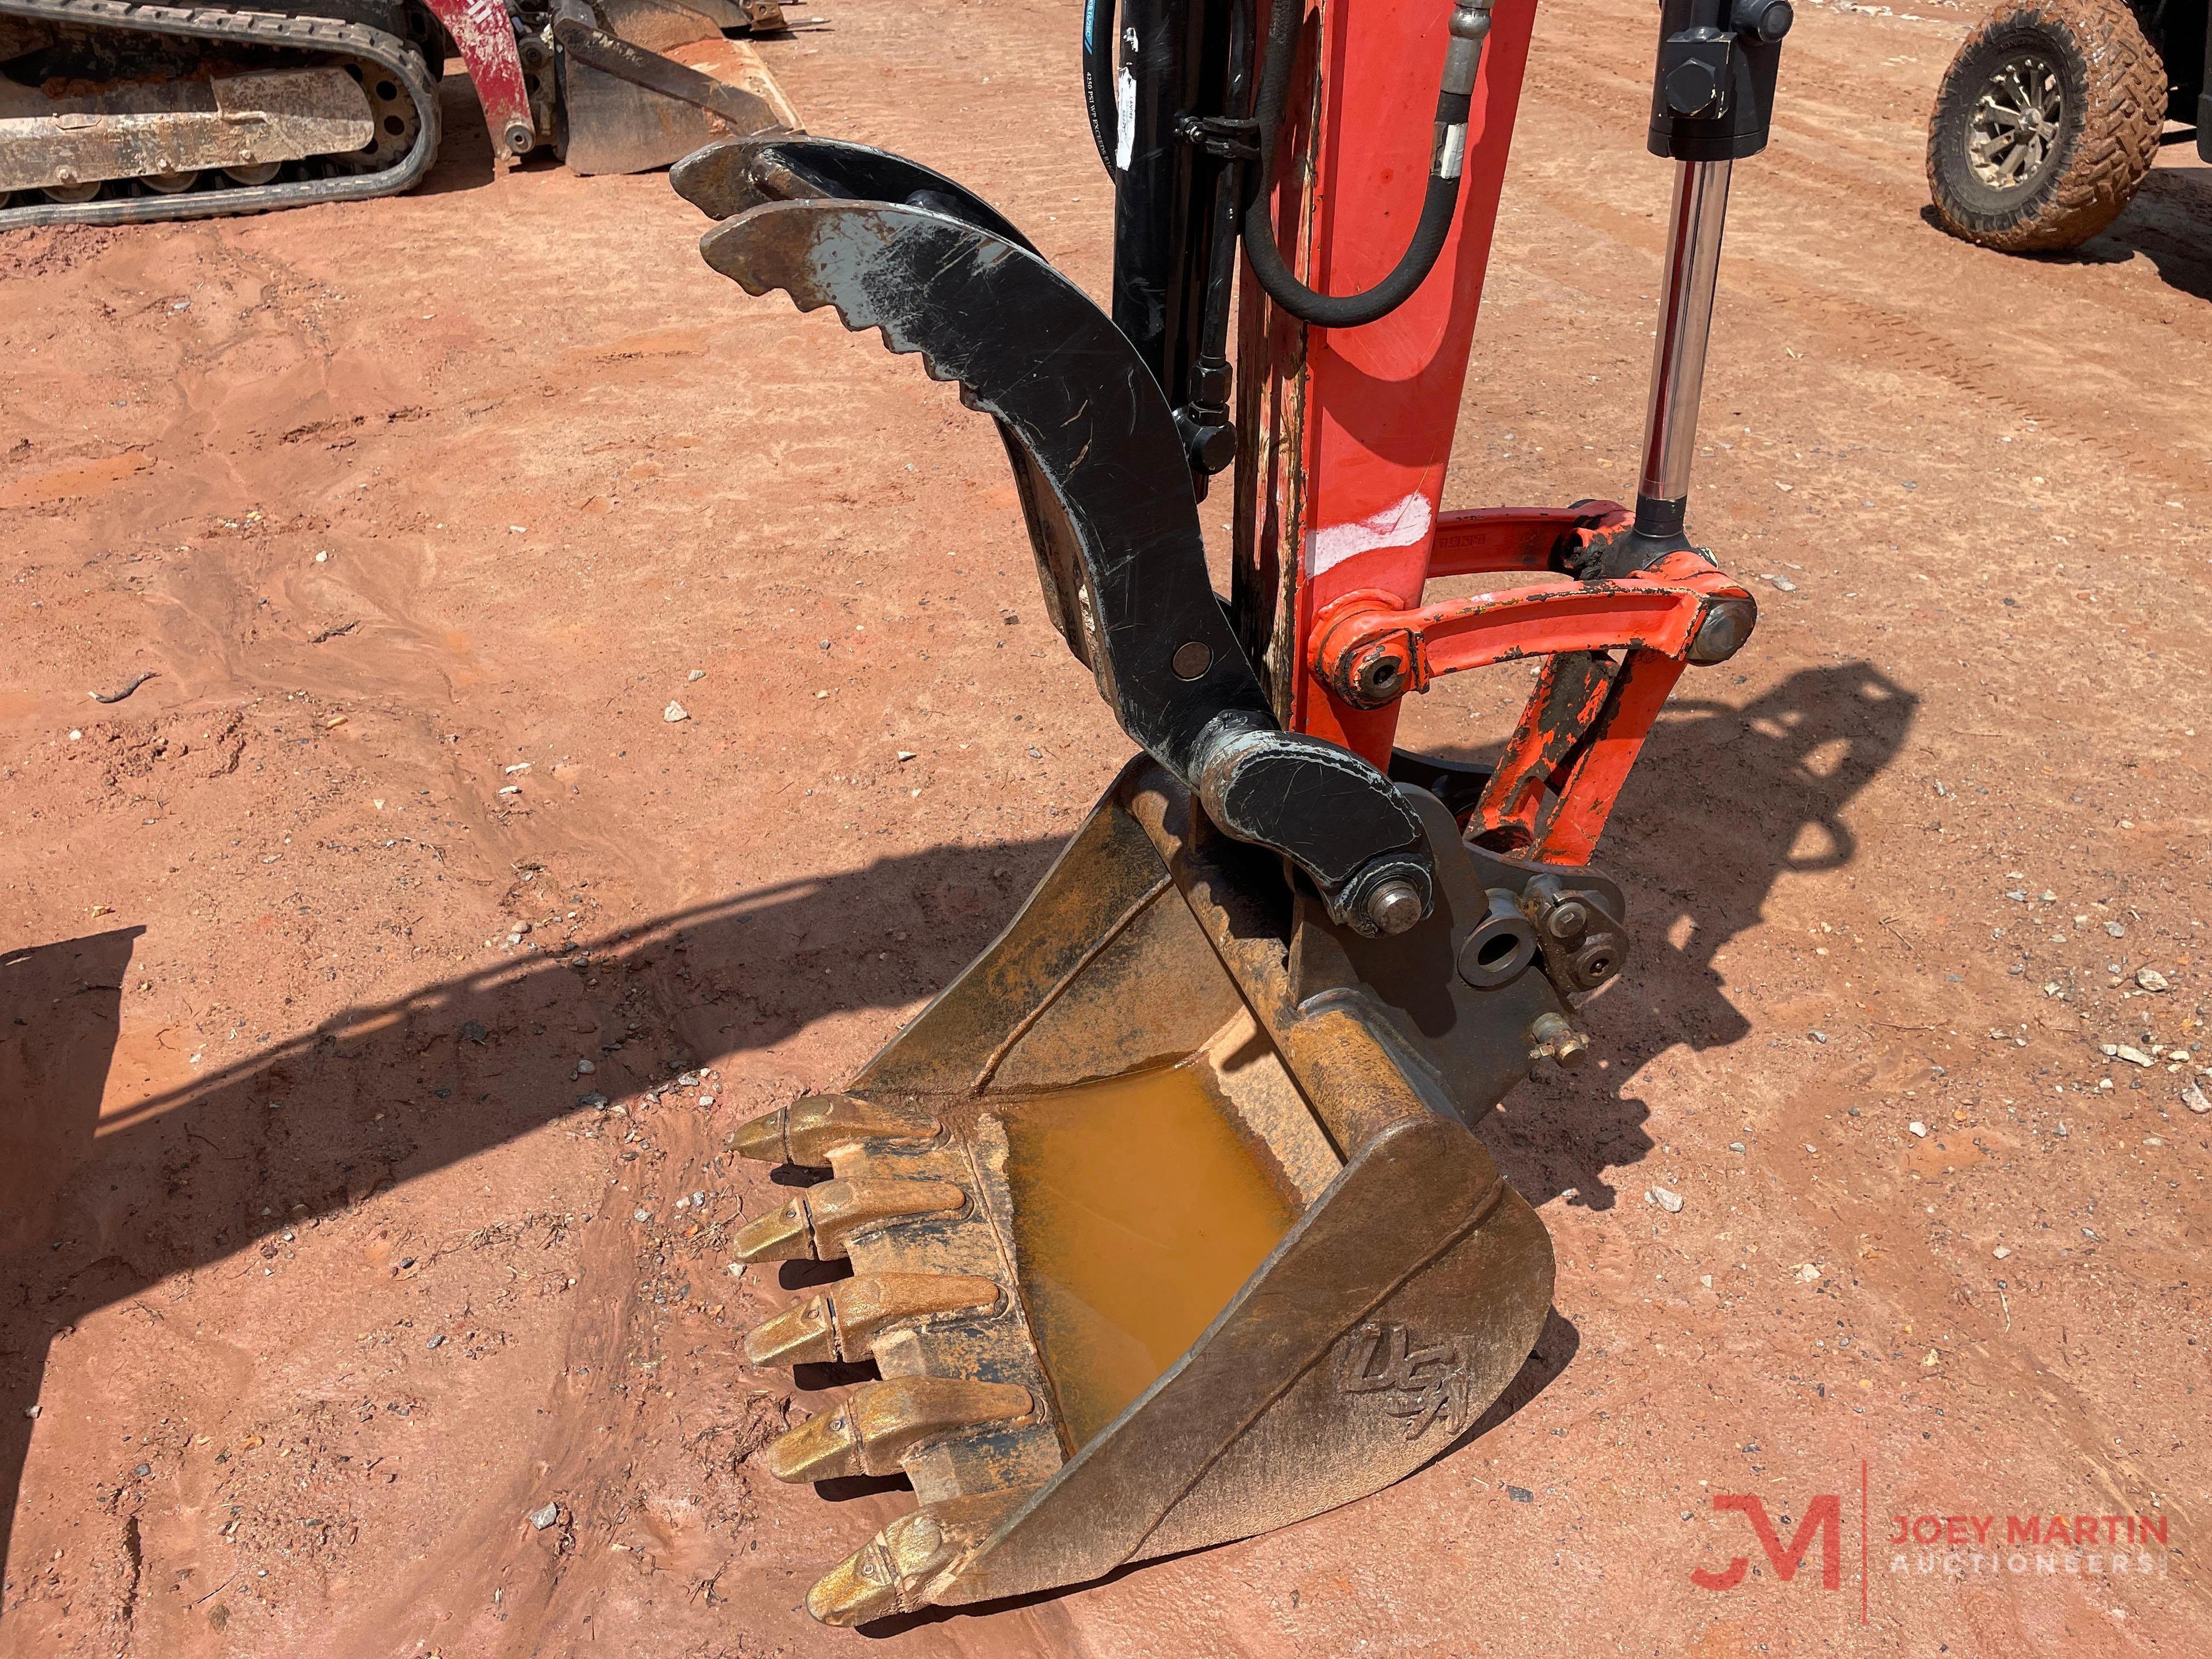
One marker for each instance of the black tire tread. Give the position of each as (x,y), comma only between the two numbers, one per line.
(2102,46)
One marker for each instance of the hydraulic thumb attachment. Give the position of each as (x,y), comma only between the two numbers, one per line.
(1104,482)
(1167,1219)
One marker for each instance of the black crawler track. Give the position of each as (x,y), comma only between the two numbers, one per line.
(319,40)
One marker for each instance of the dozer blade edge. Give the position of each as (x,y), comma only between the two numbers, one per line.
(1166,1223)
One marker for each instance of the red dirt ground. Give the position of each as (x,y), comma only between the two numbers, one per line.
(320,1280)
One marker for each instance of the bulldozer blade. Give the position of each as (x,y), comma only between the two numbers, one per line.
(1167,1224)
(645,82)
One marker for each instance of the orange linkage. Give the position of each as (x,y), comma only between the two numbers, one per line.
(1588,714)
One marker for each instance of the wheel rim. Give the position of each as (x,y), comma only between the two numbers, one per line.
(260,173)
(83,192)
(2013,140)
(168,184)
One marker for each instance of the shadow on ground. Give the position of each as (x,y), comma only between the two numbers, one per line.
(1728,799)
(382,1095)
(1725,801)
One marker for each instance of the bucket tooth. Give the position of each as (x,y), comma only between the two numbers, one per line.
(840,1323)
(897,1571)
(880,1422)
(809,1130)
(816,1224)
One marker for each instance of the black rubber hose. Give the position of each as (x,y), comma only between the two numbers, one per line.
(1098,75)
(1438,205)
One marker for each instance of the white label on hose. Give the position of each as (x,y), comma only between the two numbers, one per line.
(1402,523)
(1451,150)
(1125,120)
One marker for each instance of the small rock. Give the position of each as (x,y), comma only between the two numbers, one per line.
(519,766)
(1705,1279)
(585,1068)
(510,789)
(905,755)
(640,1214)
(2133,1056)
(688,1080)
(545,1517)
(31,1411)
(141,1470)
(1819,1036)
(1521,1494)
(438,1341)
(1918,1128)
(674,712)
(473,1031)
(1669,1201)
(1809,1273)
(2001,1251)
(593,1101)
(2151,980)
(2116,930)
(2195,1098)
(1735,1145)
(696,674)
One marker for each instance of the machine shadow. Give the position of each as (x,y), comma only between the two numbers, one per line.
(60,1016)
(465,158)
(94,1210)
(1725,799)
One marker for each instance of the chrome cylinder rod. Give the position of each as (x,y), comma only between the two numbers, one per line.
(1678,354)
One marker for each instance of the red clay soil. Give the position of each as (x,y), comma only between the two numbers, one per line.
(324,1277)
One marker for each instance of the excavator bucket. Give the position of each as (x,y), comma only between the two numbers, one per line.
(1166,1222)
(645,82)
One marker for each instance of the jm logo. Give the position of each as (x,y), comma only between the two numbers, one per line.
(1824,1519)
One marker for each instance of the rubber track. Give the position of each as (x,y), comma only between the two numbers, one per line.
(322,36)
(2123,114)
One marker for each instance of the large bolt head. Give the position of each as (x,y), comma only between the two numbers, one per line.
(1692,87)
(1380,677)
(1394,906)
(1726,625)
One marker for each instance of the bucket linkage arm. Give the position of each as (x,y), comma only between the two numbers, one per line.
(1105,487)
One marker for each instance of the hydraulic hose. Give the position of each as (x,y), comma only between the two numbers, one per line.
(1470,22)
(1098,75)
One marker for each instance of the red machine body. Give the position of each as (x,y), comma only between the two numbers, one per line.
(1340,505)
(483,35)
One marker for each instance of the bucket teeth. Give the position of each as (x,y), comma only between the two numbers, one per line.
(839,1323)
(898,1569)
(880,1422)
(809,1130)
(816,1224)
